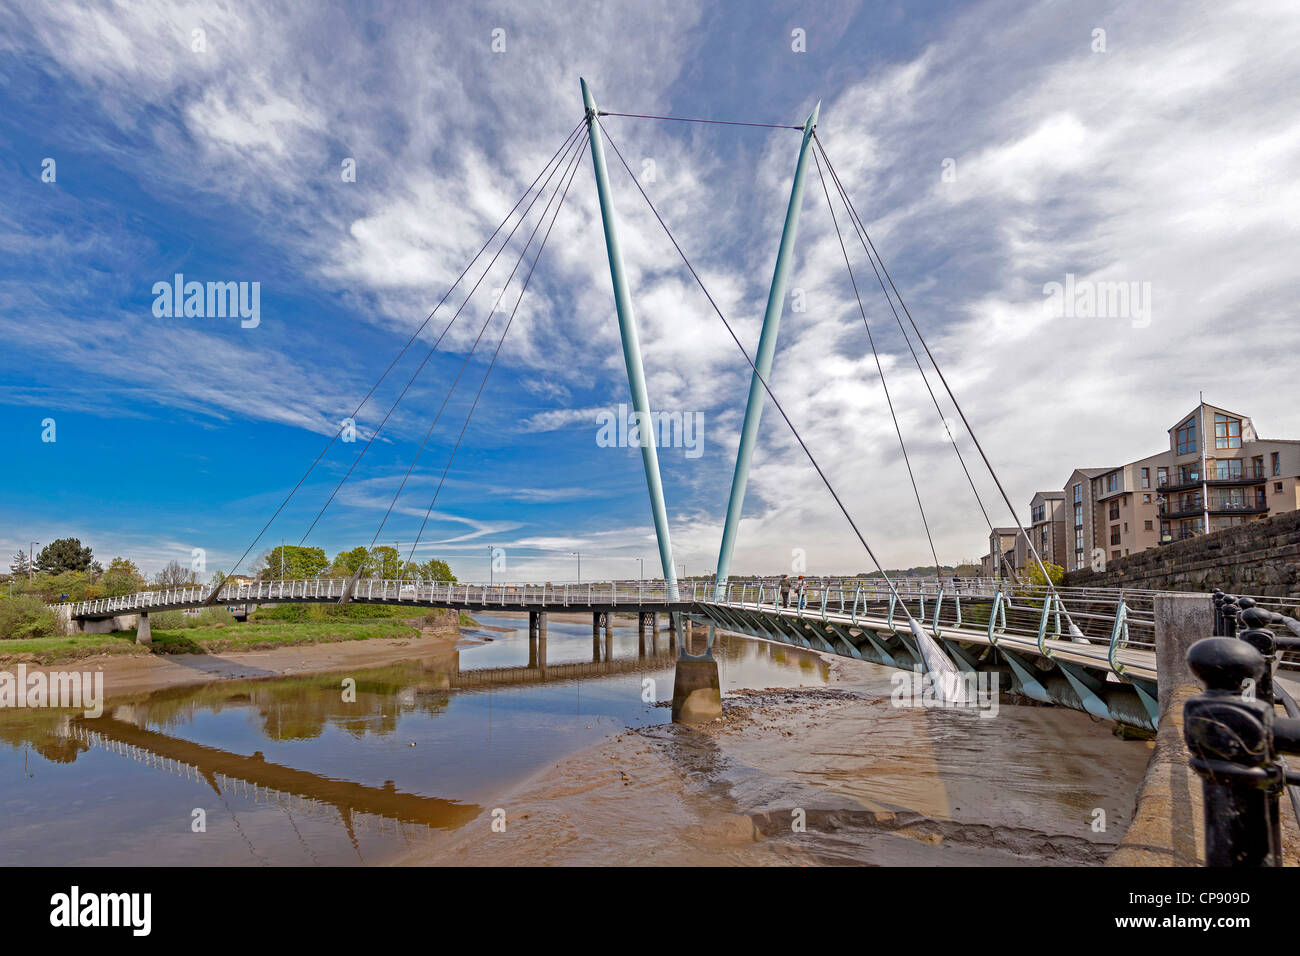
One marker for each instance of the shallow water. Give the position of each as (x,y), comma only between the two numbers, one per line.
(285,771)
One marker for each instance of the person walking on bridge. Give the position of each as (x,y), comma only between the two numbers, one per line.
(799,587)
(785,590)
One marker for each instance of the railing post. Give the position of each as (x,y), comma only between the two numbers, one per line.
(1231,742)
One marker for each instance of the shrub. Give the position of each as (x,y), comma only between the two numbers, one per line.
(167,620)
(329,612)
(212,617)
(26,616)
(1054,571)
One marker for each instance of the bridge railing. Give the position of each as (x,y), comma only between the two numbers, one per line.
(1112,619)
(395,591)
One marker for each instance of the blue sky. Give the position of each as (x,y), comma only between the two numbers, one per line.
(1169,158)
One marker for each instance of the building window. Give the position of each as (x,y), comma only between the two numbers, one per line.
(1112,481)
(1148,526)
(1114,534)
(1185,437)
(1257,466)
(1162,476)
(1078,516)
(1277,487)
(1188,473)
(1146,499)
(1277,463)
(1146,477)
(1227,432)
(1114,510)
(1038,514)
(1227,468)
(1078,493)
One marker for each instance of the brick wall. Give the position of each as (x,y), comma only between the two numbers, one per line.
(1260,557)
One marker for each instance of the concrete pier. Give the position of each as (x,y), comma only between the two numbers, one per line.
(143,633)
(697,692)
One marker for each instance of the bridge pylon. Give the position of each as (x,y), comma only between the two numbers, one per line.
(631,346)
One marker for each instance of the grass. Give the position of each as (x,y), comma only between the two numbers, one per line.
(254,635)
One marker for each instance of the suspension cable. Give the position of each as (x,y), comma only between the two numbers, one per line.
(879,369)
(211,598)
(952,439)
(523,253)
(691,119)
(414,375)
(524,288)
(957,405)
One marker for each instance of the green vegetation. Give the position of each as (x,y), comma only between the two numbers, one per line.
(65,554)
(330,612)
(1054,572)
(66,571)
(257,635)
(26,616)
(209,617)
(199,638)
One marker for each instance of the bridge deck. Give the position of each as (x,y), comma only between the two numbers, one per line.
(1102,638)
(1139,662)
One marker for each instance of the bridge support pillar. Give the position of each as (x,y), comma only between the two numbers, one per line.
(536,641)
(143,633)
(697,692)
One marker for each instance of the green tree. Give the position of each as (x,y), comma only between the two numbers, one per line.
(65,554)
(434,571)
(348,563)
(121,577)
(383,562)
(292,561)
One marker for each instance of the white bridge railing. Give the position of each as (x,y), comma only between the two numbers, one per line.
(389,591)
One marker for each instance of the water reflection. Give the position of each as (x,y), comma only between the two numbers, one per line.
(292,770)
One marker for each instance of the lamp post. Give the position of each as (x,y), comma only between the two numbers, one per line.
(31,559)
(578,555)
(491,581)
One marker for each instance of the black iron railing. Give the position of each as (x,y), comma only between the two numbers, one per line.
(1237,740)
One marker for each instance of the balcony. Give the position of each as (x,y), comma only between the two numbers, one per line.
(1173,483)
(1216,508)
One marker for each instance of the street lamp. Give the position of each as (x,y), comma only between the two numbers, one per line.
(490,563)
(31,559)
(578,555)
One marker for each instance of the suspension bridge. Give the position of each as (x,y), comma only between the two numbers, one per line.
(1092,650)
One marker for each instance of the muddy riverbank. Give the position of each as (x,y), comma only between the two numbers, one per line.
(822,776)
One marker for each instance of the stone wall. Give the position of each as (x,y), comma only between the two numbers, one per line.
(1260,557)
(441,622)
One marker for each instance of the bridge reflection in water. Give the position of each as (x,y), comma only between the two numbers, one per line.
(284,769)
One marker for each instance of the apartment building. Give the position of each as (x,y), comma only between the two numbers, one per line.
(1001,558)
(1215,472)
(1046,530)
